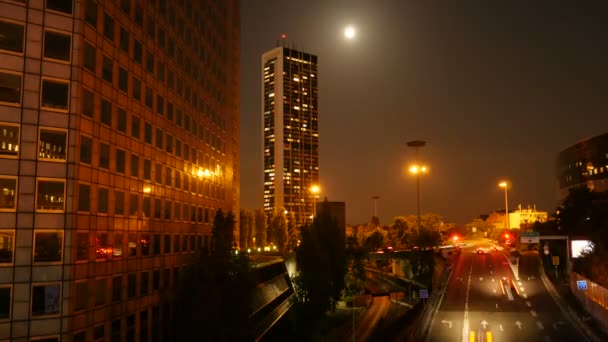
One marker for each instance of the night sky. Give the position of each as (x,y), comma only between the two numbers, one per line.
(497,89)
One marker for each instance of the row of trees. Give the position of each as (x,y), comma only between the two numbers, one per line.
(402,233)
(258,230)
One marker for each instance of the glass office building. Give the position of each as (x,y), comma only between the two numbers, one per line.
(119,141)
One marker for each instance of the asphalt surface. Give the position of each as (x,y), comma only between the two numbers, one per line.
(475,307)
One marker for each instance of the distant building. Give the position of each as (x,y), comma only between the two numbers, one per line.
(290,116)
(584,164)
(519,218)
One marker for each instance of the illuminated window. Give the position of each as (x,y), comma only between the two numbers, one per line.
(7,240)
(103,249)
(8,193)
(50,195)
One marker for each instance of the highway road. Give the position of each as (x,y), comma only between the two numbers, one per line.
(476,307)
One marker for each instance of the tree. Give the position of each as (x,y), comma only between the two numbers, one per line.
(223,234)
(260,228)
(375,240)
(251,235)
(481,226)
(279,229)
(293,232)
(321,260)
(244,228)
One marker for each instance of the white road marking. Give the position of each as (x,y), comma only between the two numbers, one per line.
(497,306)
(519,283)
(492,279)
(521,288)
(501,328)
(533,313)
(524,295)
(494,290)
(480,278)
(540,325)
(465,321)
(519,324)
(449,323)
(484,324)
(529,304)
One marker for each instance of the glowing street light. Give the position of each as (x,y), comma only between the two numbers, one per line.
(505,185)
(417,169)
(315,189)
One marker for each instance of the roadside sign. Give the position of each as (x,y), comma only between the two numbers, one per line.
(581,285)
(555,260)
(424,294)
(529,237)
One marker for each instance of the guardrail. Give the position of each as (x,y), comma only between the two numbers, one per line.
(432,305)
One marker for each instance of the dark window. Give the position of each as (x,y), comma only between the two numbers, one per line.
(136,89)
(161,39)
(64,6)
(100,294)
(82,246)
(82,296)
(147,169)
(125,6)
(55,94)
(176,211)
(170,79)
(108,26)
(169,111)
(146,207)
(57,45)
(149,98)
(150,62)
(139,15)
(160,70)
(168,176)
(10,88)
(106,112)
(134,166)
(108,69)
(148,133)
(119,209)
(156,244)
(86,148)
(102,200)
(133,207)
(123,79)
(48,246)
(88,102)
(178,117)
(52,145)
(158,174)
(116,334)
(99,331)
(169,143)
(145,281)
(91,12)
(124,39)
(11,37)
(150,27)
(117,289)
(120,161)
(157,209)
(156,280)
(84,197)
(160,105)
(90,57)
(104,156)
(121,120)
(137,52)
(167,244)
(135,127)
(131,285)
(159,138)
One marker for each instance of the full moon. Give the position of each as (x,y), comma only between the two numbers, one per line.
(349,32)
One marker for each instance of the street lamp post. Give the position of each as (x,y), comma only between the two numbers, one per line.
(315,190)
(505,185)
(416,170)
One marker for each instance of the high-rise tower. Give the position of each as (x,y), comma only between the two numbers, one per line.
(119,140)
(291,130)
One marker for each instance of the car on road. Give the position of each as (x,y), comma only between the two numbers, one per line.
(480,250)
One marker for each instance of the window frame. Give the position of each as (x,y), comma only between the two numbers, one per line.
(10,302)
(46,283)
(62,239)
(13,231)
(53,129)
(16,73)
(58,32)
(71,13)
(58,180)
(54,80)
(16,178)
(3,156)
(12,52)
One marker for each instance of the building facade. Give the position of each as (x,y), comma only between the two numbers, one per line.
(584,164)
(290,117)
(119,140)
(518,219)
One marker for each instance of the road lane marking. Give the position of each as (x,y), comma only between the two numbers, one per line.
(519,283)
(540,325)
(449,323)
(494,290)
(533,313)
(484,324)
(525,295)
(497,306)
(465,321)
(519,324)
(501,328)
(529,304)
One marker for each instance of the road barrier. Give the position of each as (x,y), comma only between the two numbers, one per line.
(594,298)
